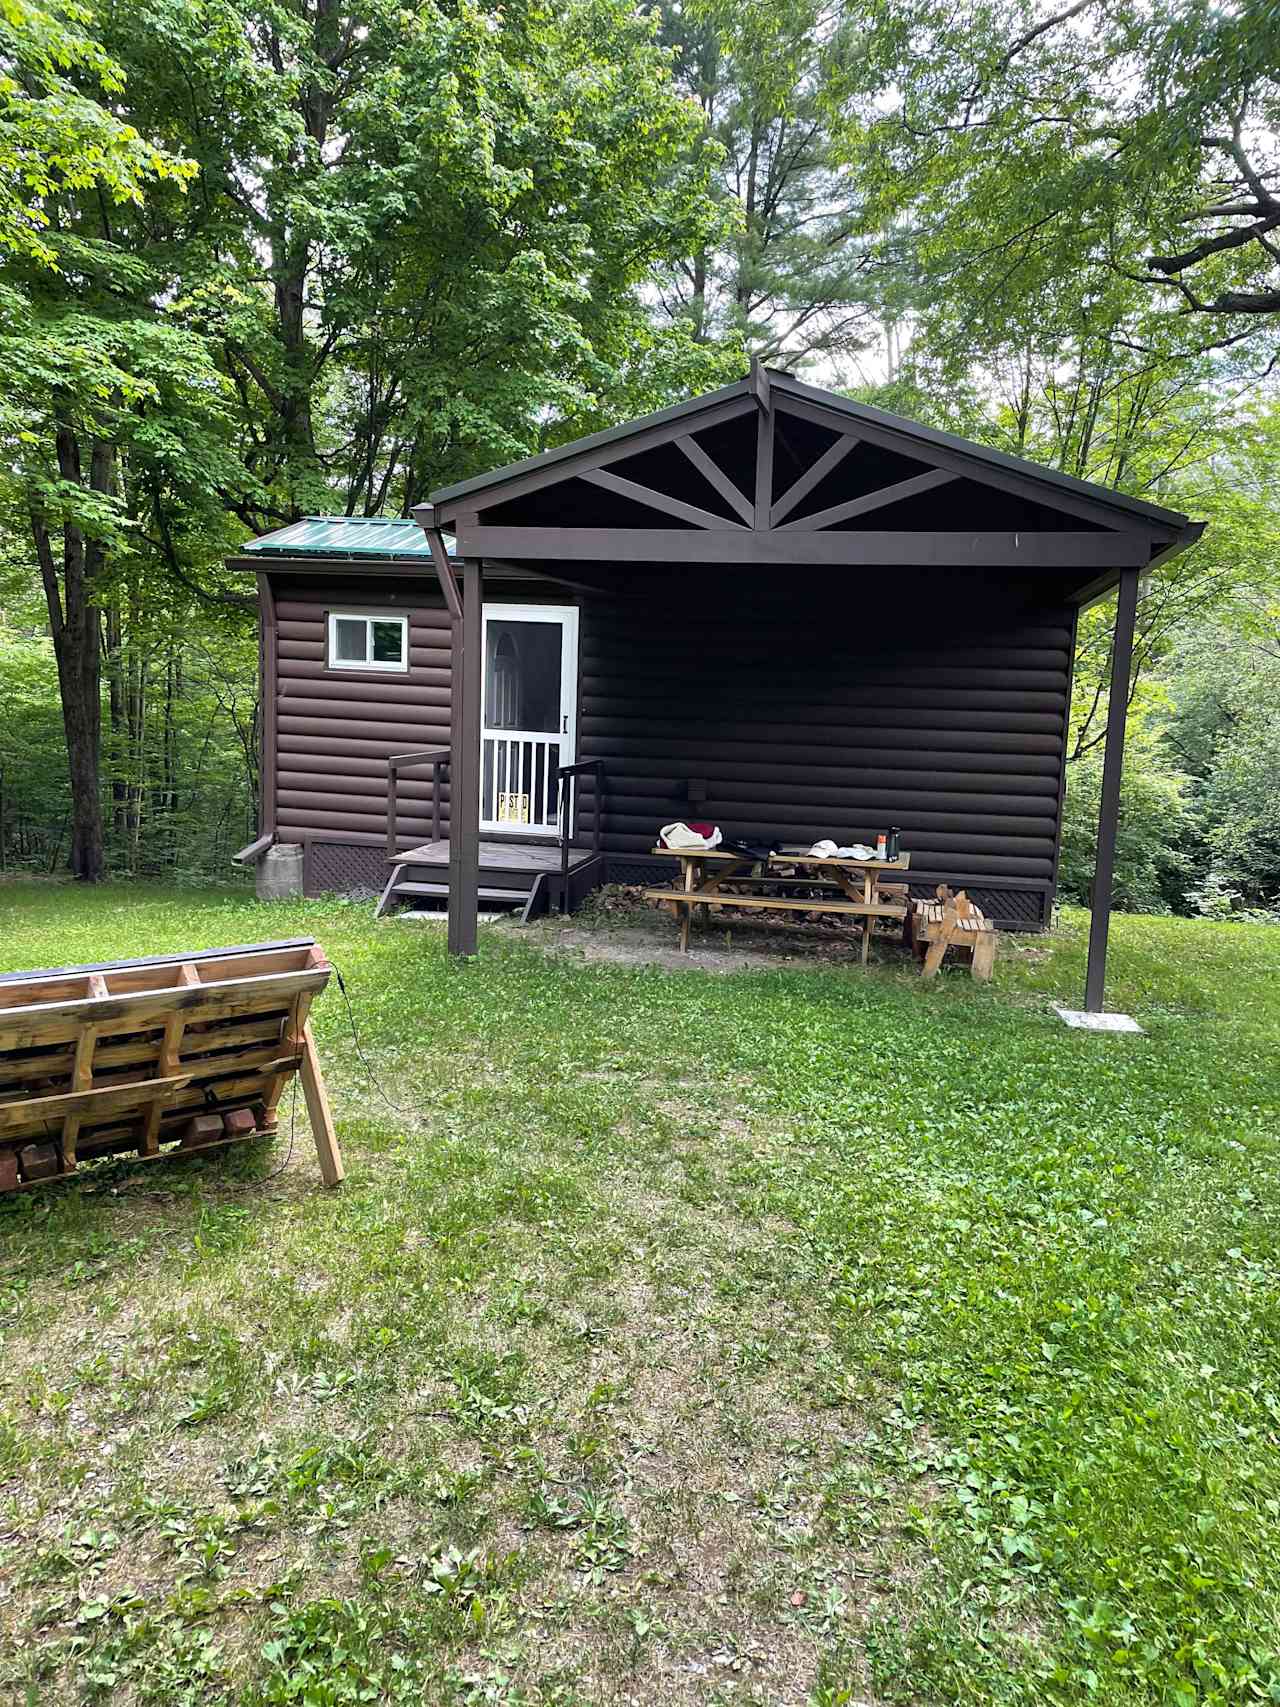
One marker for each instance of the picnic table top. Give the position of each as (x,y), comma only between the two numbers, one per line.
(797,856)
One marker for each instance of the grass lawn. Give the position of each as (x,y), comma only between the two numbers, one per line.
(791,1336)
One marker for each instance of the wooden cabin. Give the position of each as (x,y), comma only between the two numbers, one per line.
(770,607)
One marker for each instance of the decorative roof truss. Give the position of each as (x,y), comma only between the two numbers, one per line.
(772,471)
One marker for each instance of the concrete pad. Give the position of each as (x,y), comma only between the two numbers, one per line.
(1097,1022)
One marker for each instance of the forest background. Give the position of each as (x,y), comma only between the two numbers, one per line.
(269,258)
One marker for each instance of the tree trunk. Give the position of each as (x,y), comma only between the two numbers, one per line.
(74,624)
(113,642)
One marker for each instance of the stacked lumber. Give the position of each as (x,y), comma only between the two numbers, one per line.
(149,1057)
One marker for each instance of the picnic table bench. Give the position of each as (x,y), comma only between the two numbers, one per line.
(846,888)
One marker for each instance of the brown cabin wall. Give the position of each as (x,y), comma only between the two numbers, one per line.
(334,729)
(823,711)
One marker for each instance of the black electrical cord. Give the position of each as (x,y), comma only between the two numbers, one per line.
(374,1081)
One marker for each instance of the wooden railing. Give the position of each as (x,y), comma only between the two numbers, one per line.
(438,759)
(566,813)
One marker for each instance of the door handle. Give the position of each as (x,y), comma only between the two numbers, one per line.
(565,729)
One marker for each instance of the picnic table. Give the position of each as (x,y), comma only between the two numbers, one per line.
(851,887)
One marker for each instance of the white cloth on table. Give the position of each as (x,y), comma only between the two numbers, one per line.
(827,849)
(681,839)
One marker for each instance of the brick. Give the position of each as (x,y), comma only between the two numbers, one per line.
(38,1161)
(8,1170)
(201,1129)
(239,1123)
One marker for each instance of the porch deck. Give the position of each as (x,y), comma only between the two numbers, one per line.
(496,856)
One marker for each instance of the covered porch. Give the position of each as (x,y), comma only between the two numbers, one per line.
(800,613)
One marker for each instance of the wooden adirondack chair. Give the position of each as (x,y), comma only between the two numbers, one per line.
(952,921)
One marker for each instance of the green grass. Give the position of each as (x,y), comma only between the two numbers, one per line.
(789,1336)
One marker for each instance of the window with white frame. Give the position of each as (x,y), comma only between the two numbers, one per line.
(361,641)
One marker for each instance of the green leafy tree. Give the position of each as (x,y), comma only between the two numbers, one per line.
(60,129)
(424,236)
(416,241)
(788,275)
(1156,837)
(1037,154)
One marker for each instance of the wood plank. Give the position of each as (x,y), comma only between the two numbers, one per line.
(24,1029)
(138,977)
(786,856)
(154,960)
(654,500)
(764,471)
(770,547)
(495,856)
(716,477)
(317,1101)
(813,476)
(695,853)
(873,909)
(91,1104)
(860,506)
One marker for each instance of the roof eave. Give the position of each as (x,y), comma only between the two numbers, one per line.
(256,562)
(1098,589)
(980,454)
(445,495)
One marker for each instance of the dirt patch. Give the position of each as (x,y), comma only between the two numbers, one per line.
(646,937)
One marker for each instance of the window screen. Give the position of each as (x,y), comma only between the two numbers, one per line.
(368,642)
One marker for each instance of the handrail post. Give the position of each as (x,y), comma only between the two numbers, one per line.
(435,800)
(596,805)
(392,779)
(566,832)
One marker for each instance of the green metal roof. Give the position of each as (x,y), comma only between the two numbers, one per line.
(345,536)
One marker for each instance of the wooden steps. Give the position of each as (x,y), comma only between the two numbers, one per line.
(512,874)
(511,897)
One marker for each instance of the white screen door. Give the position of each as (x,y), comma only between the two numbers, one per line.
(528,714)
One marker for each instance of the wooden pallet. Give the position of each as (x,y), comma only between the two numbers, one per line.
(171,1053)
(952,921)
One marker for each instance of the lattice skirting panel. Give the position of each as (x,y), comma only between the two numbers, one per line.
(1008,909)
(343,868)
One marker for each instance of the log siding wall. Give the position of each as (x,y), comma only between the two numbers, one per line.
(336,728)
(831,713)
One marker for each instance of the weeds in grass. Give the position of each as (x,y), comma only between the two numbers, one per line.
(799,1336)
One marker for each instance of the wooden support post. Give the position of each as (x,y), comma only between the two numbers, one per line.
(317,1100)
(291,1044)
(170,1061)
(464,790)
(693,875)
(764,447)
(1109,809)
